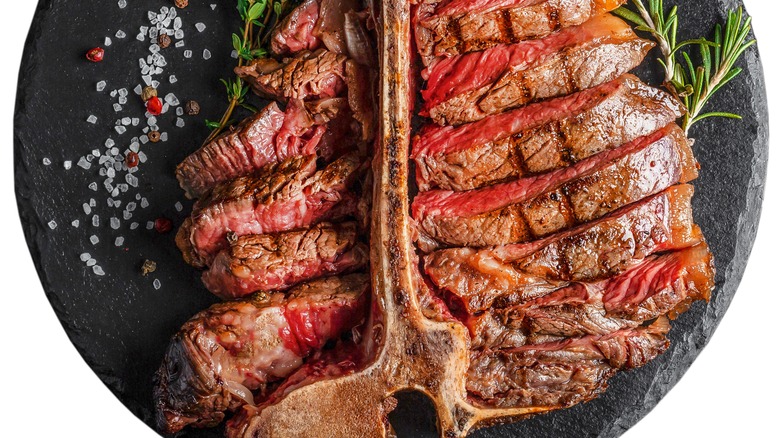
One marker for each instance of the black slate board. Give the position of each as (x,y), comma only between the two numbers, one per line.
(120,324)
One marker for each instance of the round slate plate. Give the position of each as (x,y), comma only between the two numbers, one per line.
(121,324)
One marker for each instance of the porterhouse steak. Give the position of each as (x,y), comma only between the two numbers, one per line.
(547,245)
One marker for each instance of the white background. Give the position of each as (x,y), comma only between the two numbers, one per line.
(47,390)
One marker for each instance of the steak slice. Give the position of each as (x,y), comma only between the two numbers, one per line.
(531,208)
(471,87)
(588,253)
(305,76)
(463,26)
(541,137)
(280,197)
(267,137)
(659,285)
(271,262)
(296,32)
(222,354)
(561,373)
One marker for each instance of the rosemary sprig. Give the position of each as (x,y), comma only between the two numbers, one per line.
(694,85)
(258,17)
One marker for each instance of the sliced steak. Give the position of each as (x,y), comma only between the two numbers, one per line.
(462,26)
(222,354)
(361,83)
(267,137)
(280,197)
(531,208)
(271,262)
(541,137)
(296,32)
(560,374)
(588,253)
(330,26)
(471,87)
(659,285)
(305,76)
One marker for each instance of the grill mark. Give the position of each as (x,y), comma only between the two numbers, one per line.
(522,83)
(553,17)
(567,71)
(507,31)
(567,208)
(455,31)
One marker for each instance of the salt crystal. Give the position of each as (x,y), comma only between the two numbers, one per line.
(95,221)
(144,139)
(138,89)
(157,284)
(147,79)
(134,225)
(117,107)
(110,143)
(75,223)
(234,54)
(179,44)
(112,93)
(117,203)
(164,137)
(177,24)
(149,225)
(92,202)
(123,92)
(141,37)
(144,203)
(206,54)
(136,121)
(172,100)
(154,48)
(107,42)
(179,111)
(84,164)
(134,147)
(120,129)
(46,161)
(100,86)
(200,26)
(115,192)
(87,208)
(127,121)
(122,100)
(152,120)
(126,215)
(98,270)
(90,158)
(132,180)
(110,202)
(52,224)
(187,54)
(156,84)
(114,222)
(122,4)
(213,6)
(130,206)
(92,119)
(96,152)
(67,164)
(119,241)
(180,122)
(120,34)
(179,207)
(93,186)
(172,79)
(94,239)
(85,256)
(91,262)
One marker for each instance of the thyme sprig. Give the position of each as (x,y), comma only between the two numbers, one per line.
(693,84)
(258,18)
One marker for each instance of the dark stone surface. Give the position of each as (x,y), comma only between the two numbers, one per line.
(121,325)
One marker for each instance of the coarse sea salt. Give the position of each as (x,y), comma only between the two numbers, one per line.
(92,119)
(94,239)
(119,241)
(100,86)
(206,54)
(98,270)
(52,224)
(75,223)
(200,26)
(91,262)
(156,283)
(67,164)
(46,161)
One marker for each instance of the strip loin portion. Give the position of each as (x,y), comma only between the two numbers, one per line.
(588,253)
(459,26)
(541,137)
(536,207)
(471,87)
